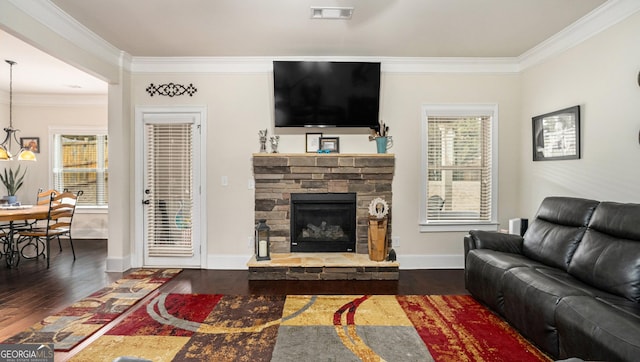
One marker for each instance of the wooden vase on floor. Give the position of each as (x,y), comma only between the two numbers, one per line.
(377,238)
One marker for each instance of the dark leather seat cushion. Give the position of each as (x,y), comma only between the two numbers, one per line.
(484,271)
(530,299)
(598,329)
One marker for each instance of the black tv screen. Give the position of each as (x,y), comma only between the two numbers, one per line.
(326,94)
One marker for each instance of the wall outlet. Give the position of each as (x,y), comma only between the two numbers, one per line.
(250,245)
(251,184)
(395,241)
(224,181)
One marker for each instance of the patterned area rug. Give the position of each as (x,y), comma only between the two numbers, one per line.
(192,327)
(74,324)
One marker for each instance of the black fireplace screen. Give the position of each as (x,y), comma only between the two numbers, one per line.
(323,222)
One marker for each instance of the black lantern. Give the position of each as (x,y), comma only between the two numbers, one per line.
(262,240)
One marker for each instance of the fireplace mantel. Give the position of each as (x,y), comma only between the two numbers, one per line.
(278,175)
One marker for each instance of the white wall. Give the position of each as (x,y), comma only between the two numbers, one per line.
(241,104)
(600,75)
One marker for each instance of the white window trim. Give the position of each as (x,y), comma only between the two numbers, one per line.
(53,130)
(459,110)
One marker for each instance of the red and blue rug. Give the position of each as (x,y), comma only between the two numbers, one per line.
(192,327)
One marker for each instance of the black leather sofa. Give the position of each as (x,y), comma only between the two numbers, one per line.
(571,285)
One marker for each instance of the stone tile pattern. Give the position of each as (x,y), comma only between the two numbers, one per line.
(324,273)
(277,176)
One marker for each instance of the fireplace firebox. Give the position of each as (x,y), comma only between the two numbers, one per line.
(323,222)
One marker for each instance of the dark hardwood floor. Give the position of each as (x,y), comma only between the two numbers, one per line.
(30,292)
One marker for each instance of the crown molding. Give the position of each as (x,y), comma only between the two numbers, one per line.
(600,19)
(201,65)
(450,65)
(265,64)
(49,15)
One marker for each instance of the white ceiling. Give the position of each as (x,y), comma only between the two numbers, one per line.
(36,72)
(382,28)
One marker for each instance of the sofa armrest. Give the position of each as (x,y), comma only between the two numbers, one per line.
(479,239)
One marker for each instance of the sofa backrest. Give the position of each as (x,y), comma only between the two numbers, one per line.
(556,231)
(609,255)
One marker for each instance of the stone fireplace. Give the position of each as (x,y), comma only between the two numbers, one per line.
(278,176)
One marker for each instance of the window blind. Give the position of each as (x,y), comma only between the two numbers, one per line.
(81,164)
(459,168)
(169,178)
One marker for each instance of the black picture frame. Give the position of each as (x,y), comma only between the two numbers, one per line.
(329,144)
(312,142)
(556,135)
(30,143)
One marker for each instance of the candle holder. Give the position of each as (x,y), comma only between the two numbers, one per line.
(262,241)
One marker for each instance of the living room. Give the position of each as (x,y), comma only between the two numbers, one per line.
(591,65)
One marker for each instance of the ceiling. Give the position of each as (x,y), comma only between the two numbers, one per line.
(378,28)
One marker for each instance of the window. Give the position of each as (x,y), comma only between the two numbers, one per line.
(459,173)
(80,162)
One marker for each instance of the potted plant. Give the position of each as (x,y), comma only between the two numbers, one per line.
(12,182)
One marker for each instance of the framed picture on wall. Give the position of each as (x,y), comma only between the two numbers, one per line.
(556,135)
(30,143)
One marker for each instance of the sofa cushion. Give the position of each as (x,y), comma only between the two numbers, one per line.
(557,229)
(610,327)
(609,255)
(531,295)
(484,270)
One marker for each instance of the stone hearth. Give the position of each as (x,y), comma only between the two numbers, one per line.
(322,266)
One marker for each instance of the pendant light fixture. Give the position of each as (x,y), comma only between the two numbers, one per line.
(24,154)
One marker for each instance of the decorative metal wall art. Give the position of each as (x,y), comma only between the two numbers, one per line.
(171,89)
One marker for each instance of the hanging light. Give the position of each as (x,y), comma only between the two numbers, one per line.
(24,154)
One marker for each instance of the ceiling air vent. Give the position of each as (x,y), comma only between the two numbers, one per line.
(320,12)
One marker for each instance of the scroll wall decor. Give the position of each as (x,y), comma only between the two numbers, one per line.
(171,89)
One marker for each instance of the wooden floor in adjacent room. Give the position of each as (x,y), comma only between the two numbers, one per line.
(30,292)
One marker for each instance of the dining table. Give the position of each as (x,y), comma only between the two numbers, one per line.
(9,215)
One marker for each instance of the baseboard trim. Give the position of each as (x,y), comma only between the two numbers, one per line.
(90,234)
(431,261)
(228,262)
(118,265)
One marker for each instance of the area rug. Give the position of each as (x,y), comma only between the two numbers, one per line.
(75,323)
(192,327)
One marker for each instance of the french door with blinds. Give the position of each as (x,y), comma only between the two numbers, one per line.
(171,198)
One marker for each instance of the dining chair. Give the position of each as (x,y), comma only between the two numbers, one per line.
(43,197)
(31,249)
(62,208)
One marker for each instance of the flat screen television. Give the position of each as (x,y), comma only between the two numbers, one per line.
(326,94)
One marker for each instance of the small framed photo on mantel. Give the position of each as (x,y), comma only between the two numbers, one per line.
(313,142)
(329,145)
